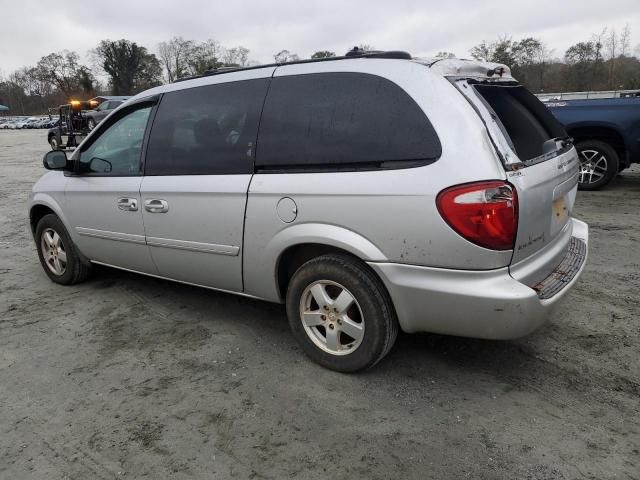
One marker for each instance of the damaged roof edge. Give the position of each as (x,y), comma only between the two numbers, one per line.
(458,67)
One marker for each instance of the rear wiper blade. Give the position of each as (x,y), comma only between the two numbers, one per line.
(551,145)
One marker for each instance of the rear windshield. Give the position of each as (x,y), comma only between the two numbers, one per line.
(527,123)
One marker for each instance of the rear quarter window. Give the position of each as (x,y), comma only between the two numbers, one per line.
(342,121)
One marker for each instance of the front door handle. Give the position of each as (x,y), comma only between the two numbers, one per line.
(156,205)
(128,204)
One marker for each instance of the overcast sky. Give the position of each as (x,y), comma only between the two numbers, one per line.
(30,29)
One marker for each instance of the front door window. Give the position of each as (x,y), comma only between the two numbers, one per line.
(116,152)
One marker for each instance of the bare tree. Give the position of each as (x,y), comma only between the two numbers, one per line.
(205,56)
(63,70)
(284,56)
(598,45)
(611,46)
(483,51)
(625,41)
(542,59)
(236,56)
(174,56)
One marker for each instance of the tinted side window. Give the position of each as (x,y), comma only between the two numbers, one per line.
(206,130)
(338,120)
(117,150)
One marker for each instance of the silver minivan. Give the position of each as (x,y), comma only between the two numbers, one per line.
(370,193)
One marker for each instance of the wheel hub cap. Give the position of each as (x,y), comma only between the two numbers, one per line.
(332,317)
(53,251)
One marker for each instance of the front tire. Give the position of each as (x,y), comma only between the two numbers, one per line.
(340,313)
(58,255)
(53,141)
(599,163)
(91,124)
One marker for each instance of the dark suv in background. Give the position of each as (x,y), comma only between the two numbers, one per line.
(106,106)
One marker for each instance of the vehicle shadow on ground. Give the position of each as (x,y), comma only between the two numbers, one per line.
(268,321)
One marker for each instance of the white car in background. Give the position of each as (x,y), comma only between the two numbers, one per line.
(33,122)
(21,123)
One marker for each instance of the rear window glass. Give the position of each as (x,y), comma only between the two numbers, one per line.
(342,120)
(526,121)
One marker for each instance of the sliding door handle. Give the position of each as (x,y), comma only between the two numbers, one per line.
(128,204)
(156,205)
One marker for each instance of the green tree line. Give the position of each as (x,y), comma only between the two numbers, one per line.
(122,67)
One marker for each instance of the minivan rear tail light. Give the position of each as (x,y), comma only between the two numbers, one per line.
(485,213)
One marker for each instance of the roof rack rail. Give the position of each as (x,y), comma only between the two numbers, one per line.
(359,52)
(355,52)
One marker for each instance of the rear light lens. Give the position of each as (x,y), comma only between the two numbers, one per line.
(485,213)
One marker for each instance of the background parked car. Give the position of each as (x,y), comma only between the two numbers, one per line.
(21,123)
(605,133)
(94,117)
(50,123)
(32,122)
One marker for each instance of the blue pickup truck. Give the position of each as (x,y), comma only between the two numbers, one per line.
(606,133)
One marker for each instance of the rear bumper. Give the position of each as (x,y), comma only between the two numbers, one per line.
(482,304)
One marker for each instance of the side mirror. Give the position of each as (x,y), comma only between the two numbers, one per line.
(55,160)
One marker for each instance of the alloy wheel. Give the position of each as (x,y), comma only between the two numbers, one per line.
(593,166)
(332,317)
(53,252)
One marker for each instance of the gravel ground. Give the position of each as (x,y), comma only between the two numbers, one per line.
(130,377)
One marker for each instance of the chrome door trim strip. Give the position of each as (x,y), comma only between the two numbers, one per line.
(108,235)
(230,250)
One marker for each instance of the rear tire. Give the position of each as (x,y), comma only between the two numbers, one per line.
(58,255)
(599,163)
(340,313)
